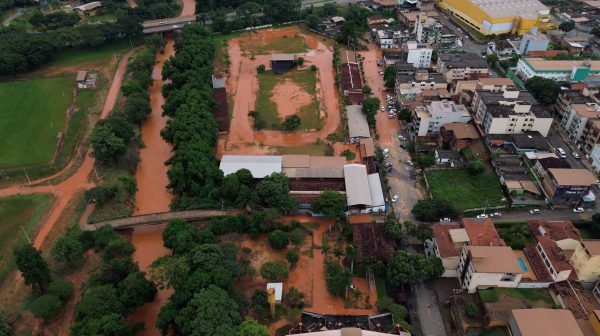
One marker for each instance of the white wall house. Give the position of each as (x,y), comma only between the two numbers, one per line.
(429,119)
(488,266)
(419,57)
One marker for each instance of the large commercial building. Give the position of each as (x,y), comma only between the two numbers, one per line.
(560,70)
(499,16)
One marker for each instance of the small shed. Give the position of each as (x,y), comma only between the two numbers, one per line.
(86,80)
(88,9)
(282,63)
(278,287)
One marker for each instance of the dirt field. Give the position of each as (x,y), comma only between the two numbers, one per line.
(242,85)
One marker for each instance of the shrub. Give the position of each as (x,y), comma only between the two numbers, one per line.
(296,236)
(293,298)
(300,61)
(313,67)
(292,257)
(61,288)
(475,167)
(350,155)
(260,68)
(471,310)
(274,270)
(291,123)
(46,306)
(278,239)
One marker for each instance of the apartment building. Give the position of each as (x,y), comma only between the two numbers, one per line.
(419,81)
(428,120)
(419,55)
(428,30)
(461,66)
(586,260)
(495,84)
(533,41)
(488,266)
(510,112)
(571,71)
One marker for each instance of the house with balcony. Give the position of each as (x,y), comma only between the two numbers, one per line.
(586,260)
(461,66)
(483,267)
(575,120)
(510,112)
(428,120)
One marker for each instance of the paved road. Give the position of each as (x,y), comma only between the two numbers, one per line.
(319,3)
(563,214)
(18,12)
(428,312)
(557,141)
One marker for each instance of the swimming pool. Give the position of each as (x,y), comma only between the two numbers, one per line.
(522,264)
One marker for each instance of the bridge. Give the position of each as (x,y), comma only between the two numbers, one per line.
(160,218)
(166,25)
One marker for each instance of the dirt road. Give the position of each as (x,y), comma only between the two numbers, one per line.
(243,86)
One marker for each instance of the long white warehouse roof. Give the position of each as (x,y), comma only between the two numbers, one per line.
(358,191)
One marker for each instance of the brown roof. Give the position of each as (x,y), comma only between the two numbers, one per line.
(386,3)
(462,131)
(555,230)
(482,232)
(592,245)
(560,65)
(310,161)
(496,81)
(555,255)
(494,259)
(572,177)
(295,161)
(441,233)
(546,322)
(368,146)
(81,76)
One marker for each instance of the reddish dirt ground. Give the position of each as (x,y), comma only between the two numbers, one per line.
(386,128)
(242,138)
(289,98)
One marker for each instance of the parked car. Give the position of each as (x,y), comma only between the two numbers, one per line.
(382,108)
(495,215)
(403,146)
(385,151)
(381,72)
(575,155)
(561,152)
(408,162)
(482,216)
(578,210)
(445,220)
(401,137)
(535,211)
(388,164)
(395,198)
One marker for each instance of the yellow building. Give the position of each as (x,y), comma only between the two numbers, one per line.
(595,321)
(586,260)
(499,16)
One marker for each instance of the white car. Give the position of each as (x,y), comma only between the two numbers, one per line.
(575,155)
(578,210)
(382,109)
(408,162)
(381,72)
(395,198)
(445,220)
(385,151)
(495,215)
(534,211)
(482,216)
(401,137)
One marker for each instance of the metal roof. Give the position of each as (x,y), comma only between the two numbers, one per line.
(357,122)
(357,185)
(376,190)
(324,172)
(259,165)
(282,57)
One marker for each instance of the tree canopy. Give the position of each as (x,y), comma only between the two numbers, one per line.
(545,90)
(404,267)
(332,204)
(32,266)
(430,210)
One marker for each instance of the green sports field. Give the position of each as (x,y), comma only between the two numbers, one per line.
(33,113)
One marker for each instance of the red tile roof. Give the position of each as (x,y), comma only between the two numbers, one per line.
(555,255)
(555,230)
(482,232)
(441,233)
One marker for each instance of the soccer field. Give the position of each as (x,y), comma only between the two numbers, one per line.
(33,112)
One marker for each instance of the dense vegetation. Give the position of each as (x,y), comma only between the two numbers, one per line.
(23,50)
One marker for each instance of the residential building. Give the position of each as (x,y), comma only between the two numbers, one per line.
(88,9)
(563,233)
(543,322)
(586,260)
(429,119)
(567,186)
(494,84)
(457,136)
(499,16)
(560,70)
(448,241)
(595,158)
(554,259)
(461,66)
(510,112)
(569,97)
(448,40)
(351,332)
(449,157)
(385,39)
(428,30)
(419,81)
(488,266)
(526,142)
(533,41)
(391,57)
(576,118)
(418,55)
(86,80)
(375,21)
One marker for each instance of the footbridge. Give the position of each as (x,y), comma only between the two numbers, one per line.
(160,218)
(166,25)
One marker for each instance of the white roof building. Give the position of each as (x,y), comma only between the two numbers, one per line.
(259,165)
(357,122)
(357,185)
(278,287)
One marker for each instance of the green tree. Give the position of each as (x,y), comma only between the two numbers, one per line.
(596,32)
(293,298)
(566,26)
(313,68)
(179,236)
(492,59)
(246,198)
(278,239)
(169,271)
(475,167)
(251,327)
(46,306)
(404,267)
(110,324)
(117,248)
(518,234)
(389,76)
(332,204)
(107,146)
(425,160)
(392,230)
(292,257)
(274,271)
(67,250)
(312,20)
(210,312)
(471,310)
(61,288)
(291,123)
(98,301)
(135,290)
(32,266)
(5,328)
(543,89)
(337,278)
(405,115)
(431,210)
(260,69)
(274,191)
(370,107)
(300,61)
(367,90)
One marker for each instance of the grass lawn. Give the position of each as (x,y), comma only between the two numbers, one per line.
(498,331)
(464,190)
(267,109)
(99,56)
(310,149)
(18,213)
(32,114)
(495,294)
(380,286)
(286,45)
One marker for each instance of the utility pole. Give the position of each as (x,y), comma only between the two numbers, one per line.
(96,172)
(26,235)
(27,176)
(52,188)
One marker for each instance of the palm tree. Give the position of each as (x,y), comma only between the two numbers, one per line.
(518,232)
(246,199)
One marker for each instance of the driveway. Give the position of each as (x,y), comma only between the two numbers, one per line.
(427,310)
(399,179)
